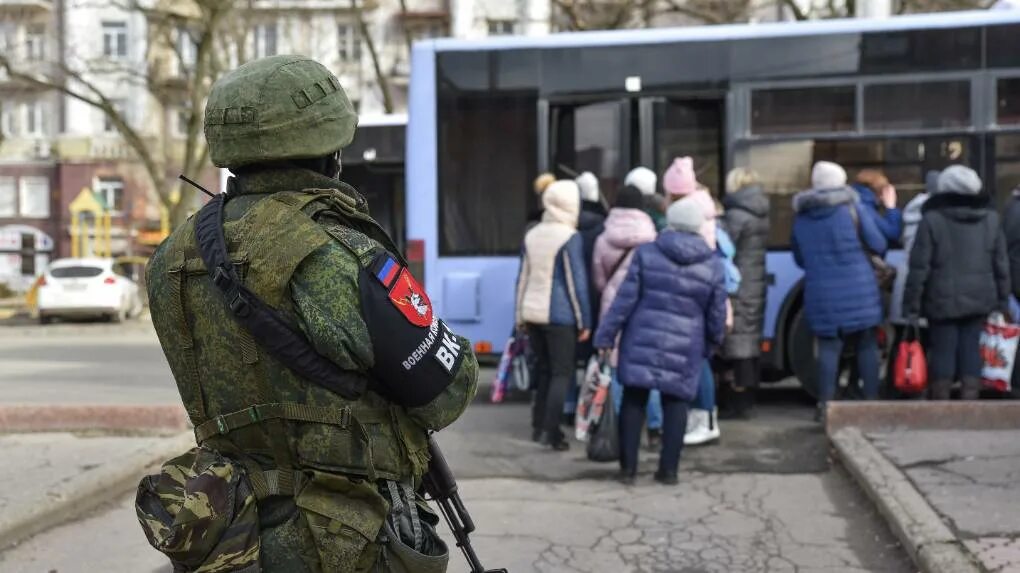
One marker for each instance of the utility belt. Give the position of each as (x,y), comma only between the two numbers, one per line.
(201,510)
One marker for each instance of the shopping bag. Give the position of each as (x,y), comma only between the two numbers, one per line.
(520,364)
(592,398)
(501,382)
(604,438)
(910,374)
(998,351)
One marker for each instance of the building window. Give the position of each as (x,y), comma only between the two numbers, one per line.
(931,105)
(111,190)
(34,121)
(120,108)
(187,52)
(803,110)
(1008,98)
(180,122)
(35,43)
(8,197)
(428,31)
(8,123)
(349,42)
(35,197)
(115,39)
(28,254)
(502,27)
(265,40)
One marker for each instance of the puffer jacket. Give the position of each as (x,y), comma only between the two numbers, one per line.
(626,229)
(840,291)
(1011,227)
(959,266)
(888,221)
(911,221)
(590,224)
(552,287)
(747,221)
(671,309)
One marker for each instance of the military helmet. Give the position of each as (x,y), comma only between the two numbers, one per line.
(277,108)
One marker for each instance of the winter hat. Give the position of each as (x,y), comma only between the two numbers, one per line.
(543,181)
(959,179)
(589,186)
(686,215)
(643,178)
(679,179)
(630,197)
(931,181)
(827,175)
(562,202)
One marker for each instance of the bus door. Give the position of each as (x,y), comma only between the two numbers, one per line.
(677,127)
(588,136)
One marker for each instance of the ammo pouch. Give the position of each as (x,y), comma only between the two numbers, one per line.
(200,512)
(396,556)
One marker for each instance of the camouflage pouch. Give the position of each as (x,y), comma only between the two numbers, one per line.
(200,511)
(344,516)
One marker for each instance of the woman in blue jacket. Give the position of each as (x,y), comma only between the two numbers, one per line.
(841,297)
(671,310)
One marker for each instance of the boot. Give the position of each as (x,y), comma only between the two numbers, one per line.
(940,389)
(705,428)
(666,478)
(971,389)
(741,404)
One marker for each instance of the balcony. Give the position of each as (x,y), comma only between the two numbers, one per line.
(26,5)
(38,68)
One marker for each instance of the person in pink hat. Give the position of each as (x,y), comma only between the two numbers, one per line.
(680,181)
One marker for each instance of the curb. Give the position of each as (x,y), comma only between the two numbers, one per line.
(107,418)
(927,539)
(954,415)
(87,491)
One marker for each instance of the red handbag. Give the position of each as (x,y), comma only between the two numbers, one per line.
(911,369)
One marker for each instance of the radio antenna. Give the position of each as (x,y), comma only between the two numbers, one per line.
(195,185)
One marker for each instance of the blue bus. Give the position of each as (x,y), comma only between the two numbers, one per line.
(903,95)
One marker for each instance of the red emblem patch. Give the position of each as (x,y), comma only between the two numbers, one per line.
(411,300)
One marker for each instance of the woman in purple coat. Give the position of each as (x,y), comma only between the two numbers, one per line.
(671,310)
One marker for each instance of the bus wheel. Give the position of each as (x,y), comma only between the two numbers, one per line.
(801,353)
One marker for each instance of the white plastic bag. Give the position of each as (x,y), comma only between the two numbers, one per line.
(592,399)
(998,351)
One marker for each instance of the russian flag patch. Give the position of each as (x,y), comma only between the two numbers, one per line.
(387,270)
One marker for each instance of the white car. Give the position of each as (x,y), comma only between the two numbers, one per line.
(92,287)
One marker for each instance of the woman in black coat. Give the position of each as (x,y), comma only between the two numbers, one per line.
(746,219)
(959,274)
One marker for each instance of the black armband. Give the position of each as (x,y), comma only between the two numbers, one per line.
(416,354)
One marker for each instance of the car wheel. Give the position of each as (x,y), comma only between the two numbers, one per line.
(802,353)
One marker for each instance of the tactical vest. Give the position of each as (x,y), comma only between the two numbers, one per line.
(242,400)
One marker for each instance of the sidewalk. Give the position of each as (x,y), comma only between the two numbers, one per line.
(950,494)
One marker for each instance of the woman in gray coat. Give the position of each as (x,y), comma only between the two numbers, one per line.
(746,219)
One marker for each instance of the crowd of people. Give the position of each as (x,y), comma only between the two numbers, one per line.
(668,288)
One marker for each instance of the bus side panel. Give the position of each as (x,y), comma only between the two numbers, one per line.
(784,274)
(475,296)
(421,197)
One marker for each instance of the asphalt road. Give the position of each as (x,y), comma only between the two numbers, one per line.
(766,498)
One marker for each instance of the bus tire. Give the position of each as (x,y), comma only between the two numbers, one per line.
(801,353)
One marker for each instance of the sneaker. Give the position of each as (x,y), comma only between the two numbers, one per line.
(555,443)
(706,429)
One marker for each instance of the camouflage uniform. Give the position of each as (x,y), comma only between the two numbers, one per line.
(328,473)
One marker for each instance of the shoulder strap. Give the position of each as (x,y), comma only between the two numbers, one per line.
(267,326)
(619,263)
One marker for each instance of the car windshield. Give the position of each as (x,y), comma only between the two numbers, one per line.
(76,272)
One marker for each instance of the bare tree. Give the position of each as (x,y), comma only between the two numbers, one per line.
(848,8)
(615,14)
(195,34)
(373,52)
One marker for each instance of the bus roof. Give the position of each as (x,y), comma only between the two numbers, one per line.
(733,31)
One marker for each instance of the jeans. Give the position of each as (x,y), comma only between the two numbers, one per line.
(654,412)
(553,346)
(632,414)
(829,351)
(705,398)
(955,349)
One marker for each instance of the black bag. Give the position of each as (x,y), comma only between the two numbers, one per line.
(885,274)
(604,438)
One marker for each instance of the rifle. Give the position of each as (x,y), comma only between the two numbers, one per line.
(441,488)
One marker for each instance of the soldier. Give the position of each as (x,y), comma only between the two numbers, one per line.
(330,452)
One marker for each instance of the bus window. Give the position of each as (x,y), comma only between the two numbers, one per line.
(803,110)
(694,128)
(1007,166)
(930,105)
(785,169)
(1003,46)
(1008,101)
(590,137)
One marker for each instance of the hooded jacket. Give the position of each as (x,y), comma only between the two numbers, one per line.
(552,286)
(746,219)
(959,266)
(890,223)
(840,291)
(911,221)
(671,310)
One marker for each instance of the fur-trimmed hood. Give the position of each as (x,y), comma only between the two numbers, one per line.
(814,199)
